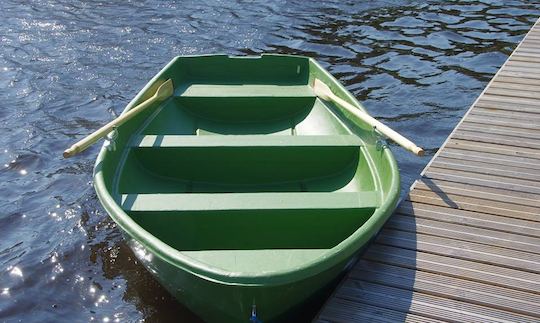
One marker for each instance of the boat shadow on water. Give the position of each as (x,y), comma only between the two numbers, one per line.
(141,289)
(120,269)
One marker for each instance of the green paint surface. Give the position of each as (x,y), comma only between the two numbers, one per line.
(244,188)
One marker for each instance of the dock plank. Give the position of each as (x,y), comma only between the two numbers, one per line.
(494,148)
(517,115)
(424,304)
(464,244)
(464,233)
(489,158)
(513,92)
(507,140)
(472,219)
(458,249)
(342,310)
(489,169)
(501,121)
(500,130)
(509,99)
(454,267)
(485,179)
(488,193)
(450,287)
(517,80)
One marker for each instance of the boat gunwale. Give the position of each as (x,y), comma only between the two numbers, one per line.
(339,253)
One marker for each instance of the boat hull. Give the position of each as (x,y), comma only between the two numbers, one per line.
(223,230)
(217,302)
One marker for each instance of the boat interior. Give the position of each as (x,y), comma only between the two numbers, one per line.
(245,167)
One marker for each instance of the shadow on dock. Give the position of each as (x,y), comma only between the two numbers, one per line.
(439,191)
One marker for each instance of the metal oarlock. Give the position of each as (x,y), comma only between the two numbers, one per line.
(110,139)
(381,142)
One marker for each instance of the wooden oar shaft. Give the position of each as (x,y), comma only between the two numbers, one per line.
(381,127)
(103,131)
(165,90)
(323,91)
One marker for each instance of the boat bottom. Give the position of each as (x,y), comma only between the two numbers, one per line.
(216,302)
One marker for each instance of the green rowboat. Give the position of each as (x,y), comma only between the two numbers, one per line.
(244,193)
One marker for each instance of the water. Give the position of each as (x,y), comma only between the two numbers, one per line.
(67,67)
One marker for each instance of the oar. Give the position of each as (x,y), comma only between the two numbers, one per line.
(164,91)
(323,91)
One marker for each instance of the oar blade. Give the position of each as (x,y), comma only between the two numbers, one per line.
(322,90)
(165,90)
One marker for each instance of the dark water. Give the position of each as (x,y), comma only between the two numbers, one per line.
(67,67)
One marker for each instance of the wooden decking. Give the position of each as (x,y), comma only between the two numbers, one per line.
(465,243)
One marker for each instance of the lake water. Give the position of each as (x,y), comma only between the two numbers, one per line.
(67,67)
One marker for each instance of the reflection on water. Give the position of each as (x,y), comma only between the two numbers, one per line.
(67,67)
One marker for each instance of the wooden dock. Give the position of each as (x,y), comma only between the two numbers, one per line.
(464,245)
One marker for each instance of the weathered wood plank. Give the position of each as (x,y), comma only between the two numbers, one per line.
(520,116)
(529,50)
(515,116)
(492,119)
(464,233)
(505,106)
(487,193)
(523,63)
(513,93)
(479,179)
(529,46)
(515,80)
(464,250)
(522,74)
(495,149)
(525,57)
(525,177)
(474,204)
(506,140)
(469,218)
(500,84)
(489,158)
(346,311)
(523,66)
(448,287)
(531,37)
(424,304)
(500,130)
(454,267)
(506,99)
(473,117)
